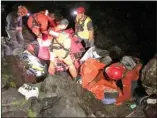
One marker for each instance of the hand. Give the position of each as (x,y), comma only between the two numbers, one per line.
(19,29)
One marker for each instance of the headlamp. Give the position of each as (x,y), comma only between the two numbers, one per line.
(75,12)
(28,14)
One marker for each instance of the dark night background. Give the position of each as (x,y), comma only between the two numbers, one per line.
(139,17)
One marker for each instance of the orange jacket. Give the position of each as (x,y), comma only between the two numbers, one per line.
(129,76)
(93,78)
(89,72)
(41,21)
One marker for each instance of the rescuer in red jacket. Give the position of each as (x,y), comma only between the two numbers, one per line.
(40,22)
(115,83)
(128,79)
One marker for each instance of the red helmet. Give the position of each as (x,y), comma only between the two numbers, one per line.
(80,10)
(115,71)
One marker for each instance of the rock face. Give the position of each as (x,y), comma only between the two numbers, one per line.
(149,76)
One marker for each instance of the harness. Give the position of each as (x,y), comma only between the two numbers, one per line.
(35,22)
(59,47)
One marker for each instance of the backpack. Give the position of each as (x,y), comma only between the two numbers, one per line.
(129,62)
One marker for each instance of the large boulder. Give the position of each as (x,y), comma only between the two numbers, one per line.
(149,76)
(17,70)
(75,101)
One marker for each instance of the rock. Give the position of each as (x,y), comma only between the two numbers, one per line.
(6,49)
(116,53)
(91,115)
(13,101)
(3,83)
(150,111)
(17,51)
(138,112)
(149,76)
(64,108)
(75,100)
(101,41)
(17,69)
(10,114)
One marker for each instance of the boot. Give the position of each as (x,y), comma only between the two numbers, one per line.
(149,100)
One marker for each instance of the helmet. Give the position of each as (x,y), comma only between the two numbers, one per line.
(80,10)
(115,71)
(22,10)
(64,21)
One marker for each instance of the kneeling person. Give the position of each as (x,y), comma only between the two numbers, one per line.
(61,50)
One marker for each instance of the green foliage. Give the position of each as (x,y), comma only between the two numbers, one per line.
(31,114)
(12,84)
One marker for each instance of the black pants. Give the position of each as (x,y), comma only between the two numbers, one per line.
(138,91)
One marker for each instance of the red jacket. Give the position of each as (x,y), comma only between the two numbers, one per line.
(39,23)
(129,76)
(89,73)
(93,78)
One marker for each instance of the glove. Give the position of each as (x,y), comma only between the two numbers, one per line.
(109,100)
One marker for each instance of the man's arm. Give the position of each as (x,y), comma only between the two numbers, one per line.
(126,91)
(91,34)
(91,30)
(19,28)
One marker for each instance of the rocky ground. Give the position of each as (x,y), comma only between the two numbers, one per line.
(62,97)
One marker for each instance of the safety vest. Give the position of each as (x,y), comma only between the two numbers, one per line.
(82,29)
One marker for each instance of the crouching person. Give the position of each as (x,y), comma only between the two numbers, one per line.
(126,75)
(113,84)
(94,81)
(60,49)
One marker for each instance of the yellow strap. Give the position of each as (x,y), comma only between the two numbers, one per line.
(37,68)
